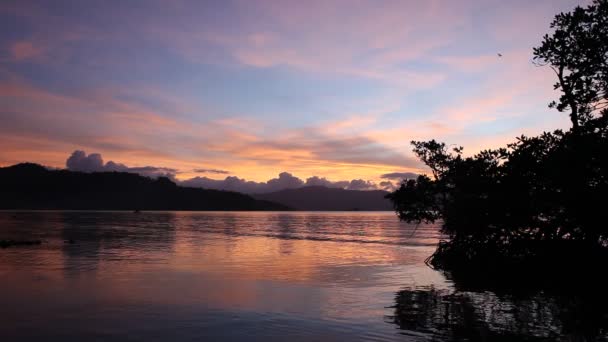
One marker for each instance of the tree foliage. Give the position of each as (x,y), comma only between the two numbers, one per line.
(577,52)
(538,190)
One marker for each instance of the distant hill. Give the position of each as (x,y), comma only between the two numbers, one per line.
(31,186)
(322,198)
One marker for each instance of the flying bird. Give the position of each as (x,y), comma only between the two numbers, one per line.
(499,54)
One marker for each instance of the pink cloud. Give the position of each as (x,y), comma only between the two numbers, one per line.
(98,120)
(470,63)
(366,41)
(24,50)
(383,43)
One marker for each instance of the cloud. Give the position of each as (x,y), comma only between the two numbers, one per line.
(127,127)
(399,175)
(349,110)
(389,186)
(395,179)
(215,171)
(24,50)
(285,180)
(360,184)
(322,181)
(80,161)
(232,183)
(365,41)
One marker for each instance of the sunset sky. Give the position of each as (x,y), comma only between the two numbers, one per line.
(250,89)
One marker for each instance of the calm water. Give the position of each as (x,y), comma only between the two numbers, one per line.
(243,276)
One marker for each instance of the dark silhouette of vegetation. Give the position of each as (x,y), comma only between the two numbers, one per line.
(31,186)
(576,52)
(538,203)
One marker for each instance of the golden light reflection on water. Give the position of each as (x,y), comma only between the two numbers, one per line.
(329,268)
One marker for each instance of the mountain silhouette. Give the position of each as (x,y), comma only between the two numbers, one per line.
(323,198)
(32,186)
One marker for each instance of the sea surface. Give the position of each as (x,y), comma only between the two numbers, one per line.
(243,276)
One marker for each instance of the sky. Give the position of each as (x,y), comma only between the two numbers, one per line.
(247,91)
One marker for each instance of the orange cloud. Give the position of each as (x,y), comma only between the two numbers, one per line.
(136,135)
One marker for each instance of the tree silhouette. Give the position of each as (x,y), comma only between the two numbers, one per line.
(577,52)
(524,204)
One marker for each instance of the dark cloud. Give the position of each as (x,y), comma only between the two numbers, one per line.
(80,161)
(399,175)
(230,183)
(317,181)
(215,171)
(148,169)
(284,181)
(355,149)
(322,181)
(389,186)
(360,184)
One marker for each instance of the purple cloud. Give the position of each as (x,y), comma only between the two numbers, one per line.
(214,171)
(399,175)
(389,186)
(80,161)
(284,181)
(322,181)
(360,184)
